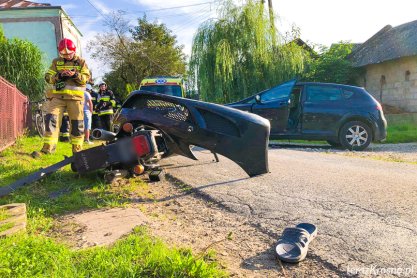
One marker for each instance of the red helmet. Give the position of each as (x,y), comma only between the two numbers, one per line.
(66,46)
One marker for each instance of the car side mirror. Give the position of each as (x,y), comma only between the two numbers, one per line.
(258,98)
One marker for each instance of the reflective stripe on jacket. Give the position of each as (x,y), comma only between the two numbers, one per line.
(105,112)
(74,86)
(105,103)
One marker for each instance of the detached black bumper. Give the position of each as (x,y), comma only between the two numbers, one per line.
(239,136)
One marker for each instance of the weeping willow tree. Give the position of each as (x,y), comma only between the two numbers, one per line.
(240,53)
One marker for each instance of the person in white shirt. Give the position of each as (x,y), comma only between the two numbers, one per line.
(88,111)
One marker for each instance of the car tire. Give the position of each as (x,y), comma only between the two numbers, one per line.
(355,136)
(335,144)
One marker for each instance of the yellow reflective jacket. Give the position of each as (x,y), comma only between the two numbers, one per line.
(74,86)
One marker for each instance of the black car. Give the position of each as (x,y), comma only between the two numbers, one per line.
(343,115)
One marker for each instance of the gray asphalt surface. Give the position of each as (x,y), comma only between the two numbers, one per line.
(365,210)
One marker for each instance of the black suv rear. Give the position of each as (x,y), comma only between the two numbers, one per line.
(343,115)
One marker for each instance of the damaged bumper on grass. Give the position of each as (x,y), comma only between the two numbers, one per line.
(237,135)
(155,126)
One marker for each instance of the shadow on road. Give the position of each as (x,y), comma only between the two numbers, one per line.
(186,190)
(173,166)
(268,260)
(263,260)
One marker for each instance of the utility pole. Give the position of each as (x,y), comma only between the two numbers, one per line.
(271,19)
(271,11)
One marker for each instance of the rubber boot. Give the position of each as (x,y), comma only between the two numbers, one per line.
(64,139)
(46,149)
(76,148)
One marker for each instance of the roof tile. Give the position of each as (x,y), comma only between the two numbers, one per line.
(387,44)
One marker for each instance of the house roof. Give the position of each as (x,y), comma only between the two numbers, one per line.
(23,4)
(305,46)
(387,44)
(8,4)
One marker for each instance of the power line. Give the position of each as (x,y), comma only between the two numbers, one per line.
(176,7)
(96,8)
(205,14)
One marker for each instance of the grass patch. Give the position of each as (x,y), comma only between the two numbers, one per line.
(61,192)
(6,226)
(34,254)
(137,255)
(402,133)
(396,133)
(3,214)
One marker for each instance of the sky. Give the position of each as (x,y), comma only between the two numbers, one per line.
(320,21)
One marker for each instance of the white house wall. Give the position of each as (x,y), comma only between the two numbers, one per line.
(396,90)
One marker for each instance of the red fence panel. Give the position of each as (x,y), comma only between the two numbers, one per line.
(13,113)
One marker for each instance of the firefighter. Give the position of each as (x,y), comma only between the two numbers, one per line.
(68,74)
(105,104)
(95,121)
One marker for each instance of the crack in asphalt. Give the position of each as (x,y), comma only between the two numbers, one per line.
(256,224)
(364,209)
(380,216)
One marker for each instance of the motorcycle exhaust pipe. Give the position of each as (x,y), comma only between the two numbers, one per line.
(101,134)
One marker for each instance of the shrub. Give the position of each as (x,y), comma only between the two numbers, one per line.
(21,64)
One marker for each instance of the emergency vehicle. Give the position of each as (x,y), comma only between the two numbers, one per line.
(168,85)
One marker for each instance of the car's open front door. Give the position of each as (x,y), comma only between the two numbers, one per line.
(273,105)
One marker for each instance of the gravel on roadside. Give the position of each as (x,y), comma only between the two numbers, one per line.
(404,152)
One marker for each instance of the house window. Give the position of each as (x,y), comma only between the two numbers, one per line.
(407,75)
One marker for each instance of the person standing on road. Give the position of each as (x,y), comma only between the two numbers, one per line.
(105,104)
(68,74)
(88,111)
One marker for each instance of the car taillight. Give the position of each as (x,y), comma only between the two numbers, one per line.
(141,145)
(379,106)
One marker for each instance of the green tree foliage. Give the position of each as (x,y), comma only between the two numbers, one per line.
(333,65)
(239,54)
(134,53)
(21,64)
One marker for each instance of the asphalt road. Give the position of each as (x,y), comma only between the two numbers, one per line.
(365,210)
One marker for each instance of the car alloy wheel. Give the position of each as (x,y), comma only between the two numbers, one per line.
(355,136)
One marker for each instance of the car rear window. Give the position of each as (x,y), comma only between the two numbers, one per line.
(323,93)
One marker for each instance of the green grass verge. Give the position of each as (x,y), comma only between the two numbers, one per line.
(34,254)
(61,192)
(403,133)
(137,255)
(3,214)
(6,226)
(399,133)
